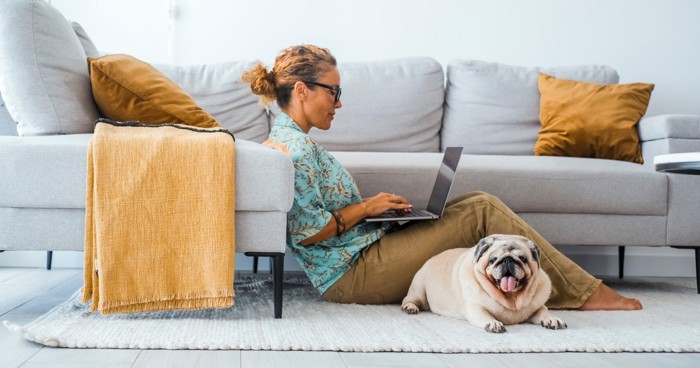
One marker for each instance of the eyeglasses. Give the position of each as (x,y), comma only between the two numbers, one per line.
(334,90)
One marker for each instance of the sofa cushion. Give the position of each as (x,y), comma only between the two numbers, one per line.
(563,184)
(43,70)
(218,90)
(591,120)
(391,105)
(50,172)
(494,109)
(128,89)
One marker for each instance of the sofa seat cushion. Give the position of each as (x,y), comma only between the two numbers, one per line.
(525,183)
(50,172)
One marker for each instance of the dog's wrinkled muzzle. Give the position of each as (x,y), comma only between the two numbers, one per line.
(508,282)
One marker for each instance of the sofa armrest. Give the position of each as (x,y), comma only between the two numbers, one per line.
(663,134)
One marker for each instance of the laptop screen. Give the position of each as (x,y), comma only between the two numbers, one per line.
(445,177)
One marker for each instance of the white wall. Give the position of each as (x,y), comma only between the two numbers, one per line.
(645,40)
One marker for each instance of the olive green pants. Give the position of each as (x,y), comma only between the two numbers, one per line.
(386,268)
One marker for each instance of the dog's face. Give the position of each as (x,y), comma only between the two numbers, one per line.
(508,261)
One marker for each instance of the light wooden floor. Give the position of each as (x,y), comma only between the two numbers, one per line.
(26,293)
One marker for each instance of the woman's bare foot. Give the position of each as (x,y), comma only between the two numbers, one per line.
(605,298)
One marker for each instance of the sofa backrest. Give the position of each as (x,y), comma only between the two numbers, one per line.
(493,108)
(8,126)
(218,90)
(390,106)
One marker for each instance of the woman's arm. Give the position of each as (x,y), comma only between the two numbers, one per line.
(353,214)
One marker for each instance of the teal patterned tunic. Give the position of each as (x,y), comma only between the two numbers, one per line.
(321,185)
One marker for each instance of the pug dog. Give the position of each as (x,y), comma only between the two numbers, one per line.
(497,282)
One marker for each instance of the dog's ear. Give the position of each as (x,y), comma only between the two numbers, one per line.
(481,247)
(535,250)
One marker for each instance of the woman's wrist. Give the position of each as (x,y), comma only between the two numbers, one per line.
(339,222)
(365,209)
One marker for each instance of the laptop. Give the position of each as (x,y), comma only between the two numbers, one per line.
(438,199)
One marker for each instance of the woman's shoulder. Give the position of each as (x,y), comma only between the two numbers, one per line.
(294,145)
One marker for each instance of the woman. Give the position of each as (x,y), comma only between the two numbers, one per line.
(353,262)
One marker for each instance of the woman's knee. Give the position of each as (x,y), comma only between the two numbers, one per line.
(479,197)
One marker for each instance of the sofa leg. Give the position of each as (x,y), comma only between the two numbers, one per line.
(697,269)
(277,282)
(277,269)
(621,260)
(49,256)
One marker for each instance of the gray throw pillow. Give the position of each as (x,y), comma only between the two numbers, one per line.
(85,40)
(217,88)
(388,106)
(43,70)
(493,108)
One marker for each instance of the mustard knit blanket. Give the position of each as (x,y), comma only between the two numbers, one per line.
(159,222)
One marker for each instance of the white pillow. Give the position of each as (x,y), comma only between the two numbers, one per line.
(493,108)
(43,70)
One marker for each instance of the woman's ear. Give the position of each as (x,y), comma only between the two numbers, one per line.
(300,90)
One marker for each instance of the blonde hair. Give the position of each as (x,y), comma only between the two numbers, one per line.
(293,64)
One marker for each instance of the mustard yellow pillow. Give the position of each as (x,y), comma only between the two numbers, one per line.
(582,119)
(128,89)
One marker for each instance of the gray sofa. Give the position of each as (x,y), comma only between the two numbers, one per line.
(397,116)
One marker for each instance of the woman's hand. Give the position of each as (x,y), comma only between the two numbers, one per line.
(353,214)
(383,202)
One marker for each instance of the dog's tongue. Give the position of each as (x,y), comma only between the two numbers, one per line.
(508,283)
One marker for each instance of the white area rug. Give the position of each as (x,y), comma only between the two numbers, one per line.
(668,323)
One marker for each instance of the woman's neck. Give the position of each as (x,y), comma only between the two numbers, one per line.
(299,118)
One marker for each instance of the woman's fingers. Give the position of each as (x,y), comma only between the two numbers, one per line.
(395,198)
(400,205)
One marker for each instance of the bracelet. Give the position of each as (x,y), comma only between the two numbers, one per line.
(339,222)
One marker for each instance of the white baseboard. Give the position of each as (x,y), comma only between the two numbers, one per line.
(600,261)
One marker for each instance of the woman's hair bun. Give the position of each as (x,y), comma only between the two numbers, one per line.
(261,82)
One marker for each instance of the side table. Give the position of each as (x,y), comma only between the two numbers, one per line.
(679,163)
(682,163)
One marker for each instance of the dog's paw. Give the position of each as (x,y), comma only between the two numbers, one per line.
(410,308)
(495,327)
(553,323)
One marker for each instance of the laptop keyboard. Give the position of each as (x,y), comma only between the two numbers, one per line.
(418,213)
